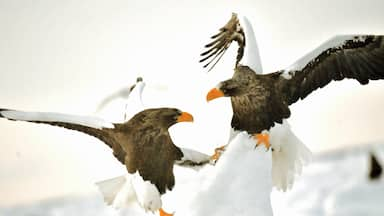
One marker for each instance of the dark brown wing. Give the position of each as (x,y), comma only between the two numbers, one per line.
(102,134)
(359,57)
(153,155)
(232,31)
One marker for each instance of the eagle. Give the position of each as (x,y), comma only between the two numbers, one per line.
(124,93)
(143,144)
(375,169)
(260,102)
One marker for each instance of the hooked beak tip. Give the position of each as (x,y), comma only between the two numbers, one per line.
(185,117)
(214,93)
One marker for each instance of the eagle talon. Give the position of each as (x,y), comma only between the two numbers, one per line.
(218,152)
(262,139)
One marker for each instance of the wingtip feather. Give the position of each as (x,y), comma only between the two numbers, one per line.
(2,110)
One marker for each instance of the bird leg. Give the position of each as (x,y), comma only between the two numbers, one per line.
(262,139)
(218,152)
(163,213)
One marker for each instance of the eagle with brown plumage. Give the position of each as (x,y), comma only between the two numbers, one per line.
(143,144)
(260,102)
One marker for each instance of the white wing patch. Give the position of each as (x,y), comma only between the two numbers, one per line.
(129,101)
(134,102)
(251,57)
(88,121)
(335,42)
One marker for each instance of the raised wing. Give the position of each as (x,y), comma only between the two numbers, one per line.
(359,57)
(232,31)
(122,93)
(132,94)
(92,126)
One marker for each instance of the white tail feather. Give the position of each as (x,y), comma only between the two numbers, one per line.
(289,156)
(117,192)
(130,190)
(110,187)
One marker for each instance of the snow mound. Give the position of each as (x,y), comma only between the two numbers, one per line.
(239,184)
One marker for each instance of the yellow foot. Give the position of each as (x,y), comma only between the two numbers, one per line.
(262,139)
(163,213)
(218,152)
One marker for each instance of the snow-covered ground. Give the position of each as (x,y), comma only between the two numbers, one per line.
(335,183)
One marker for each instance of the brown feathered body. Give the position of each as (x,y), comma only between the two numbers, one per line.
(149,148)
(258,105)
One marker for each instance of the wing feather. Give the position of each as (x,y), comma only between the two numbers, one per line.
(359,57)
(232,31)
(57,119)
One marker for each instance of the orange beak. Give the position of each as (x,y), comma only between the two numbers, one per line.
(214,93)
(185,117)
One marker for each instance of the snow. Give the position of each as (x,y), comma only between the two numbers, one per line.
(335,183)
(347,199)
(239,184)
(88,121)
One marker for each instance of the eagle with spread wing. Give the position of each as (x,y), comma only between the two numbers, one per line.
(143,144)
(260,102)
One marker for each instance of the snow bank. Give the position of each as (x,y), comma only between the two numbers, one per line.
(239,184)
(334,184)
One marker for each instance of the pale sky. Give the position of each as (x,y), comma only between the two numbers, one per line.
(66,56)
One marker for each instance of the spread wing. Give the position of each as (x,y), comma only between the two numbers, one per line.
(232,31)
(89,125)
(359,57)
